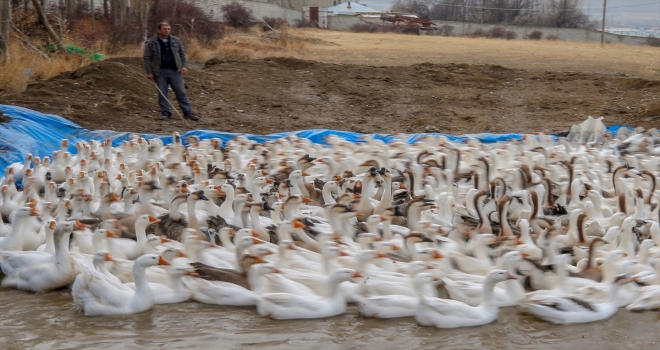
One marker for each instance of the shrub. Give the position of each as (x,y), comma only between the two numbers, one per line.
(188,21)
(122,34)
(510,34)
(552,37)
(363,27)
(237,15)
(497,33)
(410,30)
(299,23)
(272,22)
(447,29)
(651,41)
(479,33)
(535,35)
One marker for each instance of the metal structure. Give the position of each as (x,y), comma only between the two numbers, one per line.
(408,21)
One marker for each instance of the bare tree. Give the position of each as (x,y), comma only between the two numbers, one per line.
(552,13)
(5,25)
(49,29)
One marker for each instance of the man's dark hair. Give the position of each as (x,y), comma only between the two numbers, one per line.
(163,24)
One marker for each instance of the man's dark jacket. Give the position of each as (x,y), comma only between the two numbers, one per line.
(152,54)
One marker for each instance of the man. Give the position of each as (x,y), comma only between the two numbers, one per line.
(165,63)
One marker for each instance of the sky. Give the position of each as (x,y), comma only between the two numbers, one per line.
(634,11)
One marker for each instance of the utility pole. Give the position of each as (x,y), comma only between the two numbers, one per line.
(5,25)
(602,33)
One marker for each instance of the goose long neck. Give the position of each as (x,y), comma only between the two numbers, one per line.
(327,195)
(284,233)
(387,230)
(333,290)
(614,292)
(174,207)
(257,226)
(192,217)
(142,288)
(483,218)
(488,299)
(128,204)
(505,227)
(141,231)
(62,246)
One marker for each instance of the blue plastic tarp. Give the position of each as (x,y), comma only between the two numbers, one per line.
(33,132)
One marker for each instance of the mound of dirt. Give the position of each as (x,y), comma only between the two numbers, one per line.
(286,94)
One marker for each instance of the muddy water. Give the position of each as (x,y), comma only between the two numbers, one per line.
(50,321)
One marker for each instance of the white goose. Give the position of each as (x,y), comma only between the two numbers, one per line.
(563,310)
(97,297)
(282,306)
(444,313)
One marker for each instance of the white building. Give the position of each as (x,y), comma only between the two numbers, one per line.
(349,8)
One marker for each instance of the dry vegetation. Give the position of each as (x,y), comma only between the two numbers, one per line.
(391,49)
(375,49)
(396,49)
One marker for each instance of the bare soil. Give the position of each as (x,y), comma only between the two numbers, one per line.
(285,94)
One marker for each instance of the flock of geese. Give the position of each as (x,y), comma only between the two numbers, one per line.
(566,229)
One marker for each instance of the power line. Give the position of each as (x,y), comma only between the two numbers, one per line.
(527,9)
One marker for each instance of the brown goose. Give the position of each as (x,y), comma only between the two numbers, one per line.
(236,277)
(592,271)
(618,172)
(244,262)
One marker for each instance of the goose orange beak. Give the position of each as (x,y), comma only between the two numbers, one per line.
(269,181)
(52,225)
(343,253)
(306,200)
(260,260)
(357,275)
(192,273)
(382,218)
(381,255)
(34,212)
(437,255)
(395,247)
(79,226)
(153,219)
(164,240)
(255,234)
(403,186)
(510,276)
(298,224)
(162,261)
(107,257)
(256,241)
(305,174)
(181,254)
(109,234)
(525,255)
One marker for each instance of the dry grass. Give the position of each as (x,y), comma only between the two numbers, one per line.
(254,43)
(396,49)
(26,65)
(381,49)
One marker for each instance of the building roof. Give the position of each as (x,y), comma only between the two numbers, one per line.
(349,8)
